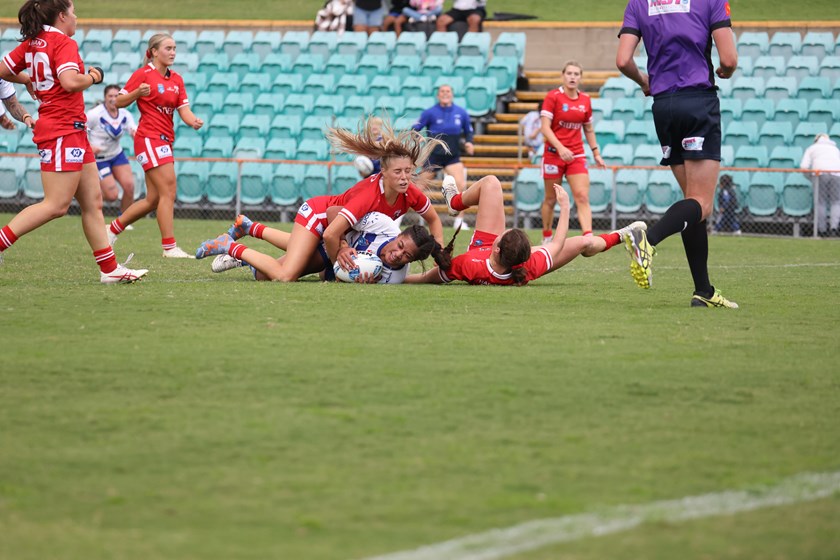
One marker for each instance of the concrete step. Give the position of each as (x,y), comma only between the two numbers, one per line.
(476,173)
(496,138)
(523,106)
(494,150)
(476,161)
(511,117)
(504,127)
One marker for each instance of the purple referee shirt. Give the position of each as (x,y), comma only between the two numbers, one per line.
(678,40)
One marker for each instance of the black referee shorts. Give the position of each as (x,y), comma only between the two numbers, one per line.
(688,125)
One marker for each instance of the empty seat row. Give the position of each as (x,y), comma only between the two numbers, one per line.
(787,43)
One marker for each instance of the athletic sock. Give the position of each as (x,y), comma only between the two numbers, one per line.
(256,230)
(457,203)
(612,239)
(117,227)
(696,243)
(7,238)
(168,243)
(106,260)
(587,232)
(236,250)
(679,217)
(547,234)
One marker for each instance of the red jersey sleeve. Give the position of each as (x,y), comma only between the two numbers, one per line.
(460,269)
(360,204)
(66,57)
(538,264)
(182,91)
(548,104)
(588,115)
(417,199)
(16,59)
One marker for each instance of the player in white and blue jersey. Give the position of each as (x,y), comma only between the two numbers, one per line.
(106,126)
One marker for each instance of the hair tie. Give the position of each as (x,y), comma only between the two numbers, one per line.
(149,53)
(517,266)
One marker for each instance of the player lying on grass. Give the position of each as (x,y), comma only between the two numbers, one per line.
(504,256)
(375,232)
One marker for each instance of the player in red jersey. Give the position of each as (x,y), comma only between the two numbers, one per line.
(564,112)
(159,93)
(497,256)
(68,170)
(390,192)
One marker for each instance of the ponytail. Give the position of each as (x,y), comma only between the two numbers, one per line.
(35,14)
(514,252)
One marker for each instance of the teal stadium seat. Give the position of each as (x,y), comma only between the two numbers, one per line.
(410,43)
(817,43)
(209,41)
(609,131)
(184,39)
(780,88)
(745,88)
(600,189)
(285,184)
(474,44)
(627,109)
(601,109)
(352,84)
(647,155)
(390,106)
(287,84)
(245,63)
(306,64)
(830,68)
(12,171)
(741,134)
(249,147)
(238,42)
(767,67)
(351,42)
(480,95)
(762,193)
(98,58)
(797,198)
(805,132)
(313,149)
(773,134)
(314,127)
(800,67)
(753,44)
(416,105)
(785,157)
(208,103)
(617,154)
(285,126)
(266,42)
(223,125)
(96,40)
(630,190)
(340,64)
(213,62)
(315,181)
(218,147)
(125,63)
(256,178)
(293,43)
(322,43)
(616,88)
(641,132)
(381,42)
(438,65)
(814,87)
(385,85)
(791,111)
(528,192)
(727,155)
(758,111)
(457,83)
(751,156)
(343,177)
(328,105)
(192,178)
(281,148)
(188,146)
(825,111)
(414,86)
(239,104)
(276,64)
(404,66)
(9,140)
(195,82)
(730,109)
(299,104)
(254,126)
(319,84)
(662,191)
(510,44)
(469,67)
(32,186)
(371,65)
(221,82)
(358,106)
(255,84)
(785,44)
(442,43)
(221,182)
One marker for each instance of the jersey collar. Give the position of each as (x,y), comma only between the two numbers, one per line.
(152,66)
(53,29)
(496,274)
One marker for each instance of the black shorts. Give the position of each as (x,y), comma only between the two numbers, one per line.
(440,159)
(688,125)
(462,15)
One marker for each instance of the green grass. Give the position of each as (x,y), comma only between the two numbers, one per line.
(202,416)
(547,10)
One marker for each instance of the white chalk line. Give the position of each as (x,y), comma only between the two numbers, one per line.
(532,535)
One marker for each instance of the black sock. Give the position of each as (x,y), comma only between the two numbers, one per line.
(696,243)
(679,217)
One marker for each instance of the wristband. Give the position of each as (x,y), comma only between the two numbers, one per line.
(595,147)
(101,74)
(26,116)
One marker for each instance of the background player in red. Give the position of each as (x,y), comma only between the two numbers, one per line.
(564,112)
(497,256)
(390,192)
(67,164)
(159,92)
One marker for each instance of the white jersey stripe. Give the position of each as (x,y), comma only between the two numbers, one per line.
(67,66)
(151,152)
(58,152)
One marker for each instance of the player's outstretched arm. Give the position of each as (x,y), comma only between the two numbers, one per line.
(559,239)
(431,276)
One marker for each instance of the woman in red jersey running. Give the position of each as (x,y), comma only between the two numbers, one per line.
(159,93)
(564,112)
(68,169)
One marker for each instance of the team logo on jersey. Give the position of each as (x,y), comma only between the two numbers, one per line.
(142,158)
(550,169)
(666,152)
(161,89)
(659,7)
(693,144)
(305,210)
(397,214)
(46,156)
(163,151)
(38,43)
(565,107)
(74,155)
(319,228)
(478,242)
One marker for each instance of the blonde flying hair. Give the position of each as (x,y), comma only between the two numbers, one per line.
(154,43)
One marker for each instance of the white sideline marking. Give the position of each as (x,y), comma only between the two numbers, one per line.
(500,543)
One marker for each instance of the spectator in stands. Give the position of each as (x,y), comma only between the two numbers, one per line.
(68,170)
(395,18)
(728,206)
(500,256)
(159,93)
(565,111)
(423,10)
(471,12)
(532,135)
(333,16)
(824,155)
(447,122)
(686,113)
(106,125)
(368,16)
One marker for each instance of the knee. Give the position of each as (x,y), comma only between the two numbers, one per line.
(57,210)
(581,198)
(109,195)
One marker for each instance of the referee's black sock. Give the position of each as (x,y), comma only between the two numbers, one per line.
(679,217)
(696,243)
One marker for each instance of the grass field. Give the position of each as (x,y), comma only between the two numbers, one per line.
(546,10)
(202,416)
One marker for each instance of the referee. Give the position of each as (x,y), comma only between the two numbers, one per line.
(678,38)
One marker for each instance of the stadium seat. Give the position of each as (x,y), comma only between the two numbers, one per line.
(730,109)
(510,44)
(762,193)
(328,105)
(192,177)
(9,140)
(727,155)
(221,182)
(600,189)
(773,134)
(32,186)
(835,91)
(220,82)
(306,64)
(390,106)
(748,88)
(126,41)
(505,71)
(239,104)
(285,184)
(249,147)
(814,87)
(474,44)
(244,64)
(617,88)
(319,84)
(630,190)
(404,66)
(313,149)
(97,40)
(438,65)
(255,84)
(293,43)
(601,109)
(825,111)
(287,84)
(237,42)
(780,88)
(340,64)
(797,197)
(641,132)
(342,178)
(12,171)
(385,85)
(410,43)
(662,191)
(218,147)
(125,62)
(255,180)
(528,192)
(800,67)
(785,44)
(805,132)
(416,105)
(208,103)
(254,126)
(98,58)
(609,131)
(442,43)
(315,181)
(785,157)
(372,65)
(382,42)
(617,154)
(767,67)
(276,64)
(817,43)
(213,62)
(352,84)
(469,67)
(758,110)
(266,42)
(647,154)
(314,127)
(299,104)
(351,42)
(188,146)
(322,43)
(751,156)
(480,96)
(791,110)
(741,134)
(457,83)
(195,82)
(627,109)
(414,86)
(358,106)
(753,44)
(281,148)
(830,68)
(745,66)
(208,42)
(184,39)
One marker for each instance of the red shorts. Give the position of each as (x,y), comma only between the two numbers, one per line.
(66,153)
(482,241)
(152,152)
(555,168)
(312,215)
